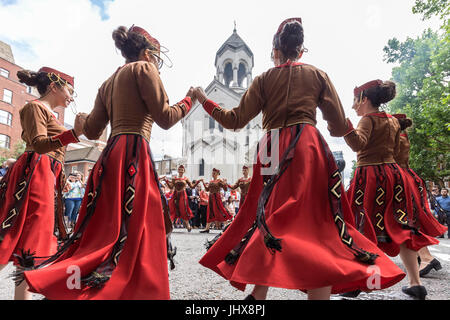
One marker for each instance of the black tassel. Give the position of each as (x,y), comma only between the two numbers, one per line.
(232,257)
(26,259)
(272,243)
(210,243)
(366,257)
(170,255)
(95,280)
(26,262)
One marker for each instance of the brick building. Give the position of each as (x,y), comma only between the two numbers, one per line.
(13,96)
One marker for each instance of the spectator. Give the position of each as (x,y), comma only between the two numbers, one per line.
(434,194)
(6,165)
(3,169)
(442,207)
(73,197)
(229,205)
(193,196)
(203,202)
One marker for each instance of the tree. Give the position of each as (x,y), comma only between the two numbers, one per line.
(422,78)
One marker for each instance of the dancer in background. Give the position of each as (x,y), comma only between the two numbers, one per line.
(427,223)
(243,184)
(378,192)
(119,243)
(292,231)
(216,211)
(27,191)
(179,204)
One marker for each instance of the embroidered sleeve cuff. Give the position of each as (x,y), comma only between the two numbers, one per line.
(187,103)
(350,128)
(66,137)
(209,106)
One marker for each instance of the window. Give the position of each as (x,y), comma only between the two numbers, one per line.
(5,141)
(7,96)
(5,117)
(29,90)
(4,73)
(212,123)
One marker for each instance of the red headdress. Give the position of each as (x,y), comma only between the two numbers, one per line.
(216,170)
(399,116)
(181,166)
(276,38)
(56,76)
(359,90)
(244,167)
(147,36)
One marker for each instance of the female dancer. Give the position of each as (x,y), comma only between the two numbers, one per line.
(119,243)
(178,204)
(27,192)
(419,201)
(243,184)
(216,211)
(378,191)
(294,205)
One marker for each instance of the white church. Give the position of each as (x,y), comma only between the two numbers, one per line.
(206,144)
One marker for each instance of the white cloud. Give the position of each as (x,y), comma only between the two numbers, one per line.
(344,38)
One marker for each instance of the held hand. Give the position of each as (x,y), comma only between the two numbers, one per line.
(79,123)
(201,95)
(191,94)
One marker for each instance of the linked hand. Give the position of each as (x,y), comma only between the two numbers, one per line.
(79,123)
(201,95)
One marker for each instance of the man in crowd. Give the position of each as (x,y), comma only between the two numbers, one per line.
(442,208)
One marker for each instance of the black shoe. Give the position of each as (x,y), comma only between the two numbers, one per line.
(351,294)
(418,292)
(434,264)
(205,231)
(249,297)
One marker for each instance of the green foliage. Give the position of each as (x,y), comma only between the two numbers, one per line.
(422,75)
(430,8)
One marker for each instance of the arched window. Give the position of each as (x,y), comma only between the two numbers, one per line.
(242,75)
(201,168)
(228,74)
(5,141)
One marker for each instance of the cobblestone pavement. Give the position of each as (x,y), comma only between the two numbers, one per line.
(191,281)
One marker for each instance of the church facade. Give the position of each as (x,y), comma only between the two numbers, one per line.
(206,144)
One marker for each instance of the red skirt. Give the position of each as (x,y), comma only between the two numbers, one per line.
(317,246)
(216,210)
(118,249)
(179,206)
(427,223)
(27,206)
(381,204)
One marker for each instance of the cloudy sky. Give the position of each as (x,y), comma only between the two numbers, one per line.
(345,39)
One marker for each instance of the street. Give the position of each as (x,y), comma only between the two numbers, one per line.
(191,281)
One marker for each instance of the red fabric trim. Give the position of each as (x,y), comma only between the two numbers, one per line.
(403,135)
(289,63)
(66,137)
(209,106)
(399,116)
(380,114)
(187,103)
